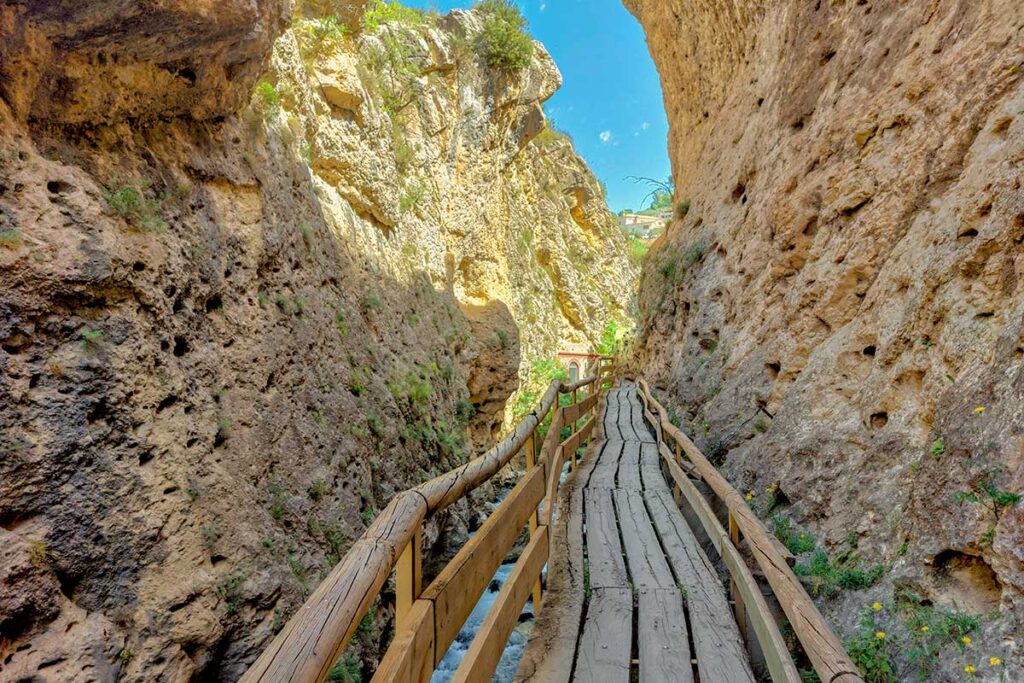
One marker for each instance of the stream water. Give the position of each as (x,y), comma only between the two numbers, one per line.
(517,641)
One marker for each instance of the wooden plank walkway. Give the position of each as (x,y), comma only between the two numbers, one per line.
(632,596)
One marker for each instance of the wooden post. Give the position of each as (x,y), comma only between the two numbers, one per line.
(739,608)
(531,462)
(409,576)
(574,423)
(677,493)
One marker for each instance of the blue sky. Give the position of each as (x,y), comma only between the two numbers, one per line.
(611,100)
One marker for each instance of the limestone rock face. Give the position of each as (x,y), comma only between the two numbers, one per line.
(229,334)
(101,62)
(841,311)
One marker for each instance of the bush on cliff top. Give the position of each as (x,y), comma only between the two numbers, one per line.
(381,12)
(504,40)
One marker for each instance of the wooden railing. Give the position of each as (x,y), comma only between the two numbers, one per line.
(427,621)
(826,653)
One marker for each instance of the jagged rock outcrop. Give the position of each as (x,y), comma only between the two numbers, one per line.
(841,310)
(229,334)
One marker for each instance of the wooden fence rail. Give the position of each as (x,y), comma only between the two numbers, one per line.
(830,660)
(428,620)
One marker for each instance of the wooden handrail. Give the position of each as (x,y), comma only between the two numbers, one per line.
(311,642)
(830,660)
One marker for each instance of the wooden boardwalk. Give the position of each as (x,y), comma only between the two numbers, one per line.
(631,594)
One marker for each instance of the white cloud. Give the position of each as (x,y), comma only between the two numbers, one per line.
(606,136)
(645,125)
(543,6)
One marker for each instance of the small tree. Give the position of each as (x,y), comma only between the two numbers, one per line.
(506,45)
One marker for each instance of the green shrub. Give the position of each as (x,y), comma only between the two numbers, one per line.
(268,100)
(380,12)
(829,577)
(318,489)
(696,252)
(229,589)
(346,670)
(682,208)
(503,339)
(371,302)
(797,543)
(414,194)
(930,630)
(278,500)
(637,249)
(91,338)
(505,43)
(938,448)
(130,203)
(323,34)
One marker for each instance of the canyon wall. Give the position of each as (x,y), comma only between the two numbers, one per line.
(258,273)
(836,311)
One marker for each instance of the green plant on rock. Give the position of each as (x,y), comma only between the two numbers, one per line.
(380,12)
(229,589)
(323,35)
(268,100)
(682,209)
(278,502)
(131,203)
(637,249)
(299,572)
(938,448)
(696,252)
(414,193)
(828,577)
(371,302)
(505,44)
(318,489)
(796,542)
(346,670)
(930,629)
(91,339)
(870,650)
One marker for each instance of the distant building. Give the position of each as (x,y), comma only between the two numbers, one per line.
(642,226)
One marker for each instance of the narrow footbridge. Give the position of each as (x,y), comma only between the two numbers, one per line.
(617,564)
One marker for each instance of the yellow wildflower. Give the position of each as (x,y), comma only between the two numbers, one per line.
(880,635)
(876,606)
(966,640)
(925,629)
(750,495)
(969,669)
(994,661)
(980,409)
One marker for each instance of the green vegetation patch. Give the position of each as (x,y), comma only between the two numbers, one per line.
(505,44)
(130,202)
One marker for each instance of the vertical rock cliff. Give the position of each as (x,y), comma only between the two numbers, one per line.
(258,274)
(837,313)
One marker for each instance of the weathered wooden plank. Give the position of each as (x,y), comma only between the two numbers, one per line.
(647,565)
(607,569)
(607,465)
(718,647)
(410,657)
(650,466)
(457,588)
(830,660)
(484,653)
(607,639)
(662,642)
(628,475)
